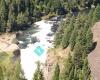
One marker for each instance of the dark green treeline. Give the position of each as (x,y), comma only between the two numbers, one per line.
(20,14)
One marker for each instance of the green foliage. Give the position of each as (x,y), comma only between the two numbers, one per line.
(58,39)
(22,19)
(86,70)
(80,41)
(73,38)
(38,75)
(68,72)
(90,17)
(71,74)
(96,14)
(65,40)
(67,34)
(3,15)
(11,72)
(56,73)
(76,32)
(59,35)
(78,55)
(3,56)
(61,31)
(14,75)
(1,74)
(10,69)
(78,36)
(89,37)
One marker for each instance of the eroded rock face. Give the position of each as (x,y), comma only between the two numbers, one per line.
(94,56)
(16,54)
(14,51)
(8,42)
(15,41)
(12,47)
(96,32)
(19,34)
(9,45)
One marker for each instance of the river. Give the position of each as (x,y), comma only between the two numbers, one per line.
(37,51)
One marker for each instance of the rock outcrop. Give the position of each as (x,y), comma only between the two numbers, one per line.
(9,43)
(94,56)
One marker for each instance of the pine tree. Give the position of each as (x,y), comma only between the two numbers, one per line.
(22,6)
(13,8)
(75,73)
(78,49)
(86,70)
(89,37)
(61,31)
(12,17)
(17,72)
(73,38)
(56,72)
(12,71)
(59,35)
(67,34)
(90,17)
(58,39)
(8,26)
(71,74)
(1,74)
(18,2)
(22,20)
(3,10)
(96,14)
(80,75)
(65,40)
(38,75)
(3,15)
(68,69)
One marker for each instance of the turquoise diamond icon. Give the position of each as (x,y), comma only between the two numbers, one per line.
(39,50)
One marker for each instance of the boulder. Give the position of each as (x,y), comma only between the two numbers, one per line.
(15,41)
(16,52)
(16,55)
(19,34)
(12,47)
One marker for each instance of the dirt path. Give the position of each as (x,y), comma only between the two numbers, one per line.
(94,56)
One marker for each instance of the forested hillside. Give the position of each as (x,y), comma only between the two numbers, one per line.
(20,14)
(75,33)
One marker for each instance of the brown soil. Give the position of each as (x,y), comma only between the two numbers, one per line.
(94,56)
(54,56)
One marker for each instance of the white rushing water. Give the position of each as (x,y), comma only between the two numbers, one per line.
(29,57)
